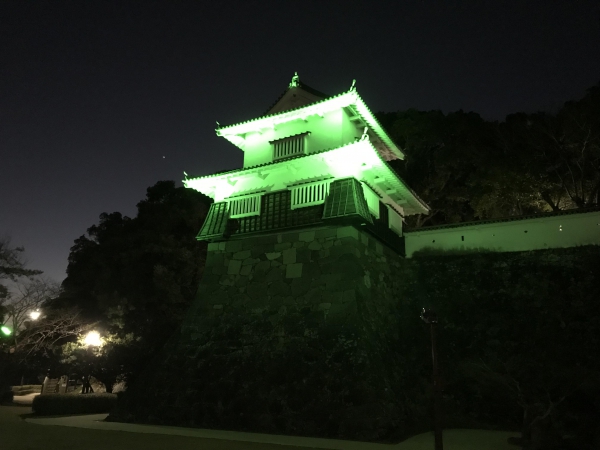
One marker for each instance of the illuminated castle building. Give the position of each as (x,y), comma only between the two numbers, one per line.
(301,323)
(311,160)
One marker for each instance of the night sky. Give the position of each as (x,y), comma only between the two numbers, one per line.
(99,100)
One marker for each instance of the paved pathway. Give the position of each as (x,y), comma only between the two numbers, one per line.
(453,439)
(25,399)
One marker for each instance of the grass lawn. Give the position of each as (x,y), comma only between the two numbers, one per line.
(16,434)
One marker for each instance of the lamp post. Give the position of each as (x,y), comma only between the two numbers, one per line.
(430,317)
(91,339)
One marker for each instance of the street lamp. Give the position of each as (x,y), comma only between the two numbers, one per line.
(5,330)
(430,317)
(35,315)
(92,339)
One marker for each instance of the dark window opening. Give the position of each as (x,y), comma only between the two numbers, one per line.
(383,214)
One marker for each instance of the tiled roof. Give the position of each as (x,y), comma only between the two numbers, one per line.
(302,86)
(280,112)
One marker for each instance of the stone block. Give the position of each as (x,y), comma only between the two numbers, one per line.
(272,255)
(233,246)
(227,280)
(343,232)
(289,237)
(314,245)
(258,251)
(303,255)
(246,270)
(293,270)
(314,296)
(299,286)
(275,274)
(217,306)
(324,306)
(299,244)
(325,233)
(222,246)
(310,272)
(250,261)
(282,246)
(364,239)
(244,254)
(345,249)
(262,267)
(241,281)
(279,289)
(268,239)
(215,259)
(306,236)
(289,256)
(257,291)
(234,267)
(213,246)
(324,253)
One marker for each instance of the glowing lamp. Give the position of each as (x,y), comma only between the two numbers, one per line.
(93,339)
(5,330)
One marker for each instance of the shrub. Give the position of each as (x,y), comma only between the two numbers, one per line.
(57,404)
(6,395)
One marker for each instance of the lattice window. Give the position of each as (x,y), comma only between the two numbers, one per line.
(309,194)
(248,205)
(289,146)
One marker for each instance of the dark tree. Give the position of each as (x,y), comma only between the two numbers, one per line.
(136,277)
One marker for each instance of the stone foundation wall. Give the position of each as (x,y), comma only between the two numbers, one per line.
(290,333)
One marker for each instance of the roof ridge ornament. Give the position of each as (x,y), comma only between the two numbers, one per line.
(365,135)
(353,87)
(295,81)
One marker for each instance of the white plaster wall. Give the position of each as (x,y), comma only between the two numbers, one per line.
(520,235)
(331,131)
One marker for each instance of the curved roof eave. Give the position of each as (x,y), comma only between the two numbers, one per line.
(348,98)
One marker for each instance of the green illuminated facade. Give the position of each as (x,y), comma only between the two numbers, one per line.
(311,160)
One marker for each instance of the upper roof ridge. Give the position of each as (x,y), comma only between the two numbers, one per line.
(297,83)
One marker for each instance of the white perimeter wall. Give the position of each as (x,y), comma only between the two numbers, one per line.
(569,230)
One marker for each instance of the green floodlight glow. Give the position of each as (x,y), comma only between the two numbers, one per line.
(5,330)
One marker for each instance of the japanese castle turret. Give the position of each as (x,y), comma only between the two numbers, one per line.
(295,325)
(311,160)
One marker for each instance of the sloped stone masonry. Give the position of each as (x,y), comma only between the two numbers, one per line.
(290,333)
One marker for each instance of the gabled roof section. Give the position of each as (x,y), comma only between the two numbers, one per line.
(296,95)
(350,99)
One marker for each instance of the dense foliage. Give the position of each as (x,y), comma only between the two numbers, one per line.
(467,168)
(136,277)
(518,333)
